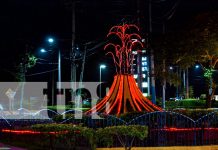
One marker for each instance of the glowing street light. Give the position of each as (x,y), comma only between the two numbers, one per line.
(197,66)
(50,40)
(43,50)
(102,66)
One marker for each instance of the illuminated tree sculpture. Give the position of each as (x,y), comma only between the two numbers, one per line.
(123,56)
(124,95)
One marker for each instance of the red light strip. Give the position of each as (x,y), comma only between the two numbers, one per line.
(178,129)
(184,129)
(128,95)
(147,103)
(104,101)
(137,97)
(31,132)
(173,129)
(120,95)
(133,93)
(20,131)
(113,94)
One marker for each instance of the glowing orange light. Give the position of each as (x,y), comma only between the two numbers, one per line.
(120,95)
(124,90)
(31,132)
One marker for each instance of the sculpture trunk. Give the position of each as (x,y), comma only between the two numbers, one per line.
(124,96)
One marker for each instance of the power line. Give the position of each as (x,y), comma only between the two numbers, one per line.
(41,63)
(168,15)
(42,72)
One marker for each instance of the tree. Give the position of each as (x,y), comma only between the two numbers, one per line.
(28,61)
(165,55)
(196,43)
(206,32)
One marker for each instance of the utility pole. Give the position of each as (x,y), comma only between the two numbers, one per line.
(73,53)
(82,71)
(164,78)
(187,83)
(23,79)
(139,53)
(177,86)
(152,75)
(83,63)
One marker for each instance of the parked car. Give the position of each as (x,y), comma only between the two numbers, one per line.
(176,98)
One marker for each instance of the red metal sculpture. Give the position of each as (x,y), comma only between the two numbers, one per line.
(124,95)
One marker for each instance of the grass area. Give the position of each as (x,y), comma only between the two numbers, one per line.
(66,107)
(186,103)
(59,107)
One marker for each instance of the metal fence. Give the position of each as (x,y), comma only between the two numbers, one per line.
(165,128)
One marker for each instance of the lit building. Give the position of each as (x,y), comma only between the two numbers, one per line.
(140,70)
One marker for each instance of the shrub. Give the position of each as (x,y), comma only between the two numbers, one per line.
(67,133)
(59,118)
(192,103)
(194,113)
(124,134)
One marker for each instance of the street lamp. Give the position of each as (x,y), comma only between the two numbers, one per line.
(50,40)
(176,68)
(102,66)
(42,50)
(197,66)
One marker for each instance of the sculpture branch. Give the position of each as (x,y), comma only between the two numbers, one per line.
(123,51)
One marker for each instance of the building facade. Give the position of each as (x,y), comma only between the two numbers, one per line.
(140,71)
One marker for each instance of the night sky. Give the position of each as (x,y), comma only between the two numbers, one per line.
(25,24)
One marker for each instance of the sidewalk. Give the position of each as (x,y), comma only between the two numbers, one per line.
(209,147)
(7,147)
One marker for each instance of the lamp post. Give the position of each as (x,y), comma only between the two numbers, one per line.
(51,41)
(178,74)
(102,66)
